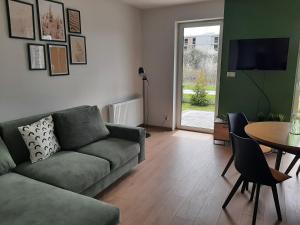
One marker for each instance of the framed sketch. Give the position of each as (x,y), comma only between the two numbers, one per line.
(58,59)
(74,21)
(20,19)
(36,56)
(77,49)
(51,19)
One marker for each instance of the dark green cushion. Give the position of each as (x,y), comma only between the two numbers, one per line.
(13,139)
(6,162)
(25,201)
(78,128)
(68,170)
(116,151)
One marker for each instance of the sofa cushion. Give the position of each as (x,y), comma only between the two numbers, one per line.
(13,139)
(78,128)
(29,202)
(68,170)
(40,139)
(6,162)
(116,151)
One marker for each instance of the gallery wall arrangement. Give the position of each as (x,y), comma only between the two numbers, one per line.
(52,30)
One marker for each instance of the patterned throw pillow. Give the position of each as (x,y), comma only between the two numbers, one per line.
(40,139)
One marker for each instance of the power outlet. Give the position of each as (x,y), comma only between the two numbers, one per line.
(166,118)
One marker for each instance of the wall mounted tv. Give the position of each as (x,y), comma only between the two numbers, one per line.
(259,54)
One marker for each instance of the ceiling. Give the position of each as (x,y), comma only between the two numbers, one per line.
(147,4)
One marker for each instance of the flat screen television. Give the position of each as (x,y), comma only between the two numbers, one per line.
(259,54)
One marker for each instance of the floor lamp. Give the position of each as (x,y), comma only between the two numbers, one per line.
(145,81)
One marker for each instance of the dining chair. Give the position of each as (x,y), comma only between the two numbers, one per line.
(250,162)
(292,164)
(236,124)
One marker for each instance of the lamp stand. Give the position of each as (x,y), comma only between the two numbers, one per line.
(144,107)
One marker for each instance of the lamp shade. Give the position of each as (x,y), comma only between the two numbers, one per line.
(141,71)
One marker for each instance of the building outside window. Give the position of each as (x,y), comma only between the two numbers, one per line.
(194,41)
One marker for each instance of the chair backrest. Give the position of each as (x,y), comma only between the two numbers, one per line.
(250,161)
(237,123)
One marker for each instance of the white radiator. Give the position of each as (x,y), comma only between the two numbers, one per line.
(128,113)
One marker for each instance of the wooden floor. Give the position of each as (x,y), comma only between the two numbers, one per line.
(180,184)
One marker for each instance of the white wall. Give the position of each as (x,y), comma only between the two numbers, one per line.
(113,32)
(158,52)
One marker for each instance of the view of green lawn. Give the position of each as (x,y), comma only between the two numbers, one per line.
(186,105)
(191,87)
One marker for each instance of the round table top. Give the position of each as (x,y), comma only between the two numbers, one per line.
(275,135)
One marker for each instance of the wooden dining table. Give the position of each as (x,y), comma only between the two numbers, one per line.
(275,135)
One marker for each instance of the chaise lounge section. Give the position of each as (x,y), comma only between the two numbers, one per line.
(25,201)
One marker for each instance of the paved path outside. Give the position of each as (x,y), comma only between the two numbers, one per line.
(194,118)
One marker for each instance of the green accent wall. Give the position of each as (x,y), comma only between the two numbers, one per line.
(247,19)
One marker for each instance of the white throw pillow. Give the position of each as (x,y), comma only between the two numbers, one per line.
(40,139)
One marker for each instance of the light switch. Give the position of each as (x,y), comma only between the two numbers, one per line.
(231,74)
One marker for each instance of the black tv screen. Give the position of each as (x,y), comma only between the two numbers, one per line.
(259,54)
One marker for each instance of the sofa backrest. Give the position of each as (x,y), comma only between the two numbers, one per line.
(13,139)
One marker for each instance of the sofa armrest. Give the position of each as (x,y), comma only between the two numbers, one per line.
(136,134)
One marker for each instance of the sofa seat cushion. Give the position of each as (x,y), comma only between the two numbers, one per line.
(117,151)
(72,171)
(28,202)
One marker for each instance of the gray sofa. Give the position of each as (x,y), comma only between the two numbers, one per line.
(58,190)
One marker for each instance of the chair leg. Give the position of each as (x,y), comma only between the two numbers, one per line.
(296,158)
(245,186)
(278,160)
(252,192)
(234,189)
(228,165)
(256,204)
(275,196)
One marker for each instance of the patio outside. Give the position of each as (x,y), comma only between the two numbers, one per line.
(200,63)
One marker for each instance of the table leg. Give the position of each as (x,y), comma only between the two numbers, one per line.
(278,160)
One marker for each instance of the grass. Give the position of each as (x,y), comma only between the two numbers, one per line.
(187,98)
(191,87)
(188,106)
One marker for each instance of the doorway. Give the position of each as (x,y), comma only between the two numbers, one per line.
(198,65)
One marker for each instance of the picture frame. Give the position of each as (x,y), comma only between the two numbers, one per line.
(74,21)
(53,30)
(20,17)
(36,56)
(77,48)
(58,59)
